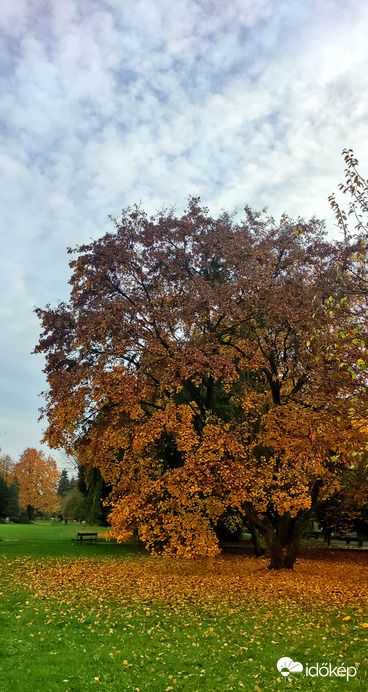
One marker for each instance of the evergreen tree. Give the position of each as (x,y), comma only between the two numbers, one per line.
(4,497)
(9,498)
(64,484)
(13,509)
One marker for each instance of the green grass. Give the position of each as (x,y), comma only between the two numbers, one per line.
(100,643)
(50,539)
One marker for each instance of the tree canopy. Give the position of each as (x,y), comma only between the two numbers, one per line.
(37,477)
(210,368)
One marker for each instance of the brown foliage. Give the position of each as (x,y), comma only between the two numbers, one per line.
(6,467)
(38,477)
(205,364)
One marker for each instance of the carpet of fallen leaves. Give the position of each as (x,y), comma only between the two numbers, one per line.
(339,581)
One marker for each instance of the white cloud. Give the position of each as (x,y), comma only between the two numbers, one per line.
(105,103)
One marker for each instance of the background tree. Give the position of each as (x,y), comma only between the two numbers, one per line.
(95,492)
(6,467)
(83,499)
(9,491)
(4,496)
(347,509)
(73,506)
(197,366)
(12,509)
(38,477)
(65,484)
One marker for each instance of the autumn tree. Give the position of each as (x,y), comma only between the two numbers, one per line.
(354,226)
(197,366)
(6,467)
(354,222)
(38,477)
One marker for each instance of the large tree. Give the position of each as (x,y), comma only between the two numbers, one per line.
(197,365)
(38,477)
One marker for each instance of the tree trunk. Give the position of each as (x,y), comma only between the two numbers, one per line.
(279,558)
(327,537)
(274,548)
(258,550)
(272,540)
(30,511)
(301,522)
(293,547)
(283,529)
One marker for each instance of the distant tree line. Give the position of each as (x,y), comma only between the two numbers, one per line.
(34,489)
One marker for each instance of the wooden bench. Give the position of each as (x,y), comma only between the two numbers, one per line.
(240,546)
(349,537)
(87,536)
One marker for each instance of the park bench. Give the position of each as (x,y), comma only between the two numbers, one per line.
(358,537)
(234,547)
(87,536)
(349,537)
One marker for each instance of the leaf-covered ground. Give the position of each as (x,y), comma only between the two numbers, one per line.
(135,623)
(335,583)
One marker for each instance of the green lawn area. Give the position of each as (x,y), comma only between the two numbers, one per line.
(47,539)
(108,617)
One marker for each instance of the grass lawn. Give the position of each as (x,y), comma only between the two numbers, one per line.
(108,617)
(48,539)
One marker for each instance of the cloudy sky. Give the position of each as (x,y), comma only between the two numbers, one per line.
(109,102)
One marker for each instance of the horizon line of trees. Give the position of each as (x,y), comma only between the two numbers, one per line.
(33,488)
